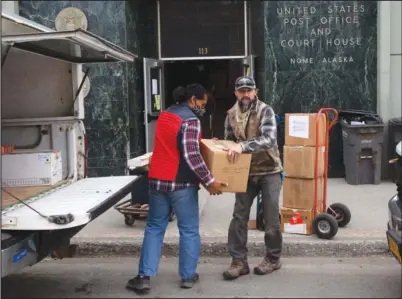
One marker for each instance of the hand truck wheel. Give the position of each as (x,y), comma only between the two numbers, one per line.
(341,213)
(129,220)
(325,226)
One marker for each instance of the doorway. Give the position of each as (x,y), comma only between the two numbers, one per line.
(217,76)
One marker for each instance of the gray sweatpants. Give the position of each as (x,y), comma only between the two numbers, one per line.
(270,187)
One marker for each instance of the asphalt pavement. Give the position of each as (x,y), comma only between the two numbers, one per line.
(370,277)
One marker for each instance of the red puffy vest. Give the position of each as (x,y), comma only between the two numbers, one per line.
(168,162)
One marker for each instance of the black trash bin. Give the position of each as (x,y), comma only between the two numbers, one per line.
(336,167)
(362,136)
(394,137)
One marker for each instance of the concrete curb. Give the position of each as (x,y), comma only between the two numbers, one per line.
(216,248)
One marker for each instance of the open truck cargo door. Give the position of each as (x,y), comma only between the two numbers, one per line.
(29,36)
(94,49)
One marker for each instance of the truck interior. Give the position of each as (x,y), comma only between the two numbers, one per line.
(42,110)
(217,76)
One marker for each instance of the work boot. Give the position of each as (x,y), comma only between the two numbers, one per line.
(236,269)
(189,283)
(139,284)
(267,266)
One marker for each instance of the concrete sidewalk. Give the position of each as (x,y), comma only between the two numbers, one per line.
(365,235)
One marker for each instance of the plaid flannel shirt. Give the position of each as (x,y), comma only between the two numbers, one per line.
(191,130)
(267,128)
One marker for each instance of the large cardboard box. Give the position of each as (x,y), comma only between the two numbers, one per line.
(215,156)
(299,161)
(300,129)
(296,221)
(299,193)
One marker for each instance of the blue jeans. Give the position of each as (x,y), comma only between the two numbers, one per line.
(185,206)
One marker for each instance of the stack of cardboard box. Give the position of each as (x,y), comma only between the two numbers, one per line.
(299,158)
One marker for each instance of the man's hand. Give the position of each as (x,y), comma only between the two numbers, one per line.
(234,153)
(215,188)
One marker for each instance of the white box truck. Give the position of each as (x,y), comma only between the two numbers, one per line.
(42,109)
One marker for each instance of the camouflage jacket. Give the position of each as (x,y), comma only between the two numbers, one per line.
(258,137)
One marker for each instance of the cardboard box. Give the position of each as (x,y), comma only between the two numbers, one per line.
(252,224)
(299,161)
(215,156)
(296,221)
(299,193)
(300,129)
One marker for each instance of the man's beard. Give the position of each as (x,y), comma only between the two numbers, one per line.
(245,103)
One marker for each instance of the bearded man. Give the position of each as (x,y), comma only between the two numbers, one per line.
(252,125)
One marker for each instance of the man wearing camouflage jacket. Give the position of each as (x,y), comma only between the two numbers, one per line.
(252,125)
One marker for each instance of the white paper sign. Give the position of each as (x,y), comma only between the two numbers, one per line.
(299,126)
(154,86)
(295,228)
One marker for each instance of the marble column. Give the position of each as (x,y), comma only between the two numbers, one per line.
(141,40)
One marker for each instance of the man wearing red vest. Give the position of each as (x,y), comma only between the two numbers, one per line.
(175,172)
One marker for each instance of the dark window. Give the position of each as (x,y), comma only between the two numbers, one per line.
(201,28)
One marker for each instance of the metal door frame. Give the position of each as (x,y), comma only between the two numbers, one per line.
(149,116)
(246,40)
(249,63)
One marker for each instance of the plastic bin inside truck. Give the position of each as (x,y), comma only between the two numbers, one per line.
(362,136)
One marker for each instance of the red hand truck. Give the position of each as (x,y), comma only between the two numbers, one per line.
(326,219)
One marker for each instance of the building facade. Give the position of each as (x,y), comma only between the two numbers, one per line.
(304,55)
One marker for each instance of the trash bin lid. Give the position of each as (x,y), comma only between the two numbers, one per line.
(368,117)
(354,112)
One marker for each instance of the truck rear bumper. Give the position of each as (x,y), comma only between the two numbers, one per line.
(19,253)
